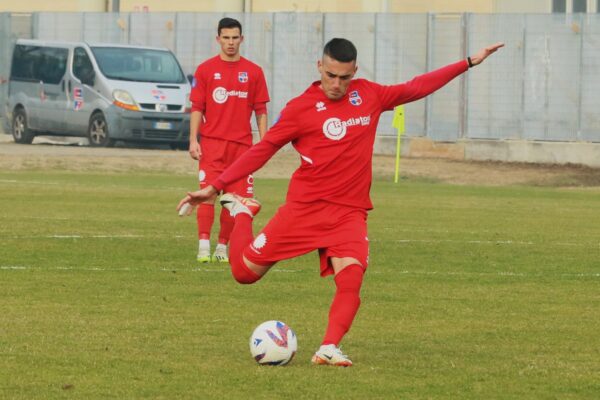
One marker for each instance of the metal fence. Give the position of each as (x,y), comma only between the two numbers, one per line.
(5,53)
(542,86)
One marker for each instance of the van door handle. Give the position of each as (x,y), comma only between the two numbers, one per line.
(62,85)
(69,86)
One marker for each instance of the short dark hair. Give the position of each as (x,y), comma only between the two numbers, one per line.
(229,23)
(340,50)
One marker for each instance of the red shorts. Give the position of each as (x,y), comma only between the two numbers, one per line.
(217,155)
(299,228)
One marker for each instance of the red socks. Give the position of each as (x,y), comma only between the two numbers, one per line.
(345,303)
(241,236)
(205,215)
(227,222)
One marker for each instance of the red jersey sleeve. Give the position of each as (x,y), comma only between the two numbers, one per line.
(198,94)
(420,86)
(252,160)
(285,129)
(261,93)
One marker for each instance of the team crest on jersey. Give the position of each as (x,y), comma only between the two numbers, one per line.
(243,77)
(354,98)
(320,106)
(217,76)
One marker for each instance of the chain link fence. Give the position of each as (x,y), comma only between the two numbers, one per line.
(542,86)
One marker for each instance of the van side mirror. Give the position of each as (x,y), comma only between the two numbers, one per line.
(190,78)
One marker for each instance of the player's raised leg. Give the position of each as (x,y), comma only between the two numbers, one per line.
(243,210)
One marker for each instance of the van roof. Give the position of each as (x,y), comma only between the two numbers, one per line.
(57,43)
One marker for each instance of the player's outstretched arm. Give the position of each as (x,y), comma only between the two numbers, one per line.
(192,199)
(484,53)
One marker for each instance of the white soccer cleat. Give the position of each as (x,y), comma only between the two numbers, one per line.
(203,256)
(238,204)
(186,210)
(220,254)
(329,354)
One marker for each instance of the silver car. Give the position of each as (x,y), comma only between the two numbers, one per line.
(103,92)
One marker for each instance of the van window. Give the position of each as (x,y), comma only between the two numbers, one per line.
(35,63)
(140,65)
(82,65)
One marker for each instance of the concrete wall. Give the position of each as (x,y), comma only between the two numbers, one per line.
(526,151)
(396,6)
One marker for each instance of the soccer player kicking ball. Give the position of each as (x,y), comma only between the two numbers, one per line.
(332,125)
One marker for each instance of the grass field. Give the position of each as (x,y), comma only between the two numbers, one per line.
(472,293)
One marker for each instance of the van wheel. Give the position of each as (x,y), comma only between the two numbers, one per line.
(20,130)
(98,132)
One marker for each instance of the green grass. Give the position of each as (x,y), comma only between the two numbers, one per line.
(472,293)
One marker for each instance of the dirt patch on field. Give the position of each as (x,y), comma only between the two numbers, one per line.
(47,154)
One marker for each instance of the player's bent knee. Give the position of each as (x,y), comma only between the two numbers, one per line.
(244,275)
(245,279)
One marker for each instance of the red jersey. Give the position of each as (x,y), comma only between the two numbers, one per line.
(335,137)
(227,93)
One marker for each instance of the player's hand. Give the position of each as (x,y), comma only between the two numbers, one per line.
(485,53)
(192,199)
(195,151)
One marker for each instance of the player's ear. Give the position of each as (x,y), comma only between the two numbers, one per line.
(241,38)
(320,66)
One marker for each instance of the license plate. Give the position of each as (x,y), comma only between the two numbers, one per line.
(162,125)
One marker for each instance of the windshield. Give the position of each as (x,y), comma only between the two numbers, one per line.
(139,65)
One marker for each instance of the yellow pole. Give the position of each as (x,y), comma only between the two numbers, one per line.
(398,123)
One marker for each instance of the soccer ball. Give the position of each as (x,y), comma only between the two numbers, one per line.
(273,343)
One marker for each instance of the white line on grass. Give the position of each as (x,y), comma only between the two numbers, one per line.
(75,184)
(92,236)
(28,182)
(499,273)
(96,269)
(493,242)
(403,241)
(286,270)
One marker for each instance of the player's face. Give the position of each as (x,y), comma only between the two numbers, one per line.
(335,76)
(230,39)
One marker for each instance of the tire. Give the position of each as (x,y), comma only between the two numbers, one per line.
(20,130)
(98,132)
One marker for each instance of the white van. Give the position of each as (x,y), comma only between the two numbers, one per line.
(103,92)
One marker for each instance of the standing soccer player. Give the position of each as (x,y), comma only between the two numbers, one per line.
(332,125)
(226,90)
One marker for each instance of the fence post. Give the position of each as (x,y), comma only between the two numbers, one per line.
(428,62)
(523,78)
(5,64)
(464,80)
(580,83)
